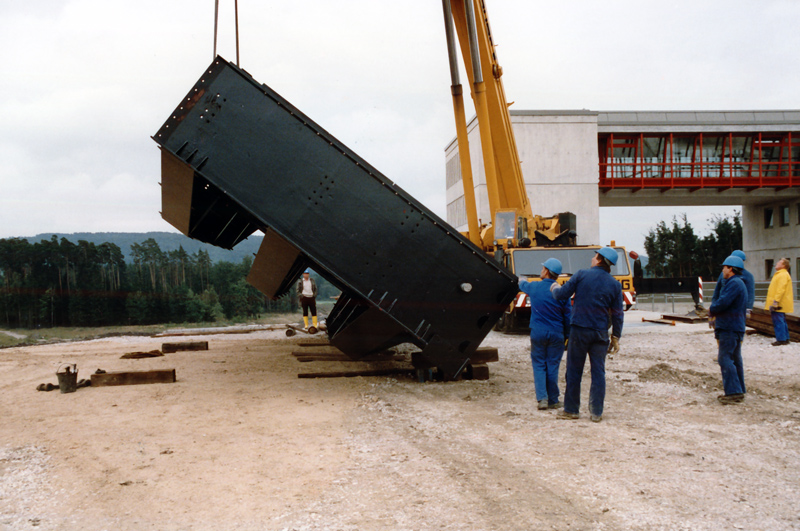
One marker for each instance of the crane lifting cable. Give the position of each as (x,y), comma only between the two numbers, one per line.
(216,26)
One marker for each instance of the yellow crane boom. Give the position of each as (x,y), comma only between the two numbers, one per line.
(504,181)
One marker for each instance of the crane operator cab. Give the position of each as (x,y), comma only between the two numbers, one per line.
(510,230)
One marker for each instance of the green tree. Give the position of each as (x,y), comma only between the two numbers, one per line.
(672,251)
(675,251)
(726,237)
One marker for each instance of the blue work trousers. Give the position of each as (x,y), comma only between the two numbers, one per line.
(730,361)
(583,342)
(547,350)
(780,326)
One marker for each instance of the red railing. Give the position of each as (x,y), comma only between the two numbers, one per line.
(702,160)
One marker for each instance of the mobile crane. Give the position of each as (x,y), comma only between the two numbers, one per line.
(516,238)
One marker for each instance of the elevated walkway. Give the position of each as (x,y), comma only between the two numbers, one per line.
(698,158)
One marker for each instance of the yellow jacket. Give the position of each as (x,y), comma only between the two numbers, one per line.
(780,289)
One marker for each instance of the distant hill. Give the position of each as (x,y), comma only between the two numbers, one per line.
(167,241)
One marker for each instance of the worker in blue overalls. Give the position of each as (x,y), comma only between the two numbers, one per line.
(728,312)
(549,328)
(747,278)
(598,295)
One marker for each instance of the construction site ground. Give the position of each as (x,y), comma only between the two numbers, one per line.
(239,442)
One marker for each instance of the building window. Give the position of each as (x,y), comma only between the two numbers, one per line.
(784,215)
(769,215)
(453,171)
(457,212)
(768,265)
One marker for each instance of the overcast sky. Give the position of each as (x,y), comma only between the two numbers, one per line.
(85,83)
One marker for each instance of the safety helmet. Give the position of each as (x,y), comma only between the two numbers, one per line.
(734,261)
(634,255)
(553,264)
(308,270)
(609,254)
(740,254)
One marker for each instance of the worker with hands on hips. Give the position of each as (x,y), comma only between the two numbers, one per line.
(549,328)
(598,295)
(307,293)
(780,301)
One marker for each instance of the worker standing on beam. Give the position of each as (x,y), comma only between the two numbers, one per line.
(597,295)
(729,311)
(549,328)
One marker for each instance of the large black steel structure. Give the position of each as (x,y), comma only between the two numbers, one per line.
(237,157)
(651,286)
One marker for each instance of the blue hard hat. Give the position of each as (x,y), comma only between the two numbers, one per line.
(734,261)
(740,254)
(308,270)
(609,254)
(554,265)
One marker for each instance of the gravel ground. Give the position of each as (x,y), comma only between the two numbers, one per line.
(240,443)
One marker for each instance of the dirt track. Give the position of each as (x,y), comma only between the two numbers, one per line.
(239,442)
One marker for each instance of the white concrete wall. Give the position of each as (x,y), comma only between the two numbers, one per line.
(456,192)
(558,154)
(761,244)
(559,161)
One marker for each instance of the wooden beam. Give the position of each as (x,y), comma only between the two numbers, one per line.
(478,371)
(480,356)
(691,319)
(133,377)
(761,321)
(346,359)
(318,353)
(168,348)
(659,321)
(351,374)
(221,331)
(321,343)
(138,355)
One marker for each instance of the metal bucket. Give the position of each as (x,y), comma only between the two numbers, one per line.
(68,378)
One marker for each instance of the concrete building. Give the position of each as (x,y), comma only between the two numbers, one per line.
(579,161)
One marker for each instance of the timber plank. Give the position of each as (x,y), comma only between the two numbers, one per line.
(477,371)
(480,356)
(221,331)
(659,321)
(168,348)
(139,355)
(313,344)
(346,359)
(761,320)
(691,319)
(485,355)
(333,353)
(351,374)
(133,377)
